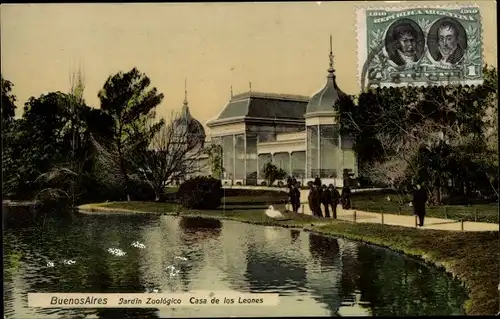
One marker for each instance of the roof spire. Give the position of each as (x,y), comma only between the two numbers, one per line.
(330,56)
(231,91)
(185,92)
(250,85)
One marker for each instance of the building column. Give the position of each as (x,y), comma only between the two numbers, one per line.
(234,159)
(307,152)
(258,168)
(319,150)
(290,162)
(341,161)
(245,159)
(222,160)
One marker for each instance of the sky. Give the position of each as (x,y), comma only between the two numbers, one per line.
(278,47)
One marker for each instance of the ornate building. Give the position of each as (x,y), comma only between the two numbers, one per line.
(191,135)
(297,133)
(188,126)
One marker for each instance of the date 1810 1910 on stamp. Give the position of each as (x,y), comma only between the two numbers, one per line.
(419,46)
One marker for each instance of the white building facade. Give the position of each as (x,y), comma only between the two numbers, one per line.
(296,133)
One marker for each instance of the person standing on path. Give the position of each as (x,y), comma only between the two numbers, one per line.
(419,200)
(335,198)
(326,200)
(315,201)
(346,197)
(317,181)
(295,197)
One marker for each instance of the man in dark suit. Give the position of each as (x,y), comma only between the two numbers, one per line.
(335,198)
(295,197)
(403,49)
(448,48)
(326,200)
(346,197)
(314,199)
(419,200)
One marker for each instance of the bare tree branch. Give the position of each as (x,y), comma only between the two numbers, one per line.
(173,152)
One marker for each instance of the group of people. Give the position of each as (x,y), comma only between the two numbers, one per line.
(320,195)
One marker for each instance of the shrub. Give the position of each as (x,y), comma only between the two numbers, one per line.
(273,173)
(200,193)
(140,190)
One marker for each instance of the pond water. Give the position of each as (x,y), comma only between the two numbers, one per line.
(314,275)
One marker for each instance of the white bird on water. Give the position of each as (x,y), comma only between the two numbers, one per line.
(69,262)
(137,244)
(116,252)
(181,258)
(272,213)
(50,264)
(173,271)
(152,290)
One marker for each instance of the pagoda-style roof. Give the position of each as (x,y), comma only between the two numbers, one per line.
(263,106)
(322,102)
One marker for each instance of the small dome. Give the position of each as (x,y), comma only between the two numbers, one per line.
(195,130)
(323,101)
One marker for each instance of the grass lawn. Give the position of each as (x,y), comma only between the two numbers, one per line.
(472,257)
(232,211)
(377,202)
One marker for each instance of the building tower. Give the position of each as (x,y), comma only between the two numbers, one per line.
(195,132)
(324,157)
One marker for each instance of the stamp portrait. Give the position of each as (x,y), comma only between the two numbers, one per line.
(419,46)
(404,43)
(447,41)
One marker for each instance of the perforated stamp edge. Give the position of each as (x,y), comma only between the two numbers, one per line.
(360,29)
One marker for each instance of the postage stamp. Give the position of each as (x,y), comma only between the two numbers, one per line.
(419,46)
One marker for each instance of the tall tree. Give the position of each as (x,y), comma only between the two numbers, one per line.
(40,138)
(78,152)
(9,174)
(129,100)
(8,102)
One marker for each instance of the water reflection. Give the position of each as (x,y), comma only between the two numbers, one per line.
(325,277)
(324,249)
(195,235)
(197,228)
(268,273)
(314,275)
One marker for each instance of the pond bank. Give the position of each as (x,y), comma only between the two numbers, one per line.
(470,257)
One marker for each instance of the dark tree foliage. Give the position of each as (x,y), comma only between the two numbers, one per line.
(128,99)
(200,193)
(9,176)
(8,102)
(41,140)
(437,133)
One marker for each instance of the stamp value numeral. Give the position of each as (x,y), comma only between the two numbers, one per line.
(471,71)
